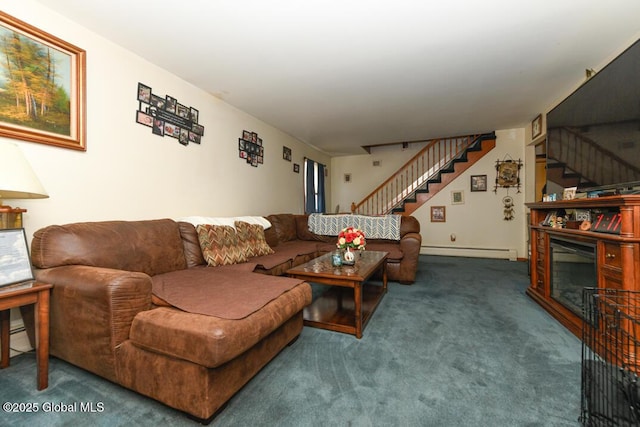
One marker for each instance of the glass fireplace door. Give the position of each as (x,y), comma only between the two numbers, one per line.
(573,268)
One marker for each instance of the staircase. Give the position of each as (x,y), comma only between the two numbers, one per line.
(568,151)
(565,177)
(424,175)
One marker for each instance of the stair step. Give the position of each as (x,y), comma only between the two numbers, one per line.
(476,146)
(462,158)
(447,174)
(411,203)
(562,175)
(555,165)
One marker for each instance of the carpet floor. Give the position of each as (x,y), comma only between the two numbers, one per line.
(463,346)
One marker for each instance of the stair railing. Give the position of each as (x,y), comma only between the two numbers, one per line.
(596,164)
(414,174)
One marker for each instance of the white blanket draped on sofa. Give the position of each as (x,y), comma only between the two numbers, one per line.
(374,227)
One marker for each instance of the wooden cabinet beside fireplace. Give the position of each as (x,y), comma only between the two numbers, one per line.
(616,256)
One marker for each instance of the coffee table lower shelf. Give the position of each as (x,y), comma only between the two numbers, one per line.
(334,310)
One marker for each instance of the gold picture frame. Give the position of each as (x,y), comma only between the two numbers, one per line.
(44,100)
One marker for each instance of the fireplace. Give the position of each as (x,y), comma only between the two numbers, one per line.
(573,268)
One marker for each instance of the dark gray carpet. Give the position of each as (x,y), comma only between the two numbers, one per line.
(463,346)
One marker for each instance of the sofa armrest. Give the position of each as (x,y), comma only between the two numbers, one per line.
(92,309)
(409,224)
(410,245)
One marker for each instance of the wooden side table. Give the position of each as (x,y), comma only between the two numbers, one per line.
(37,294)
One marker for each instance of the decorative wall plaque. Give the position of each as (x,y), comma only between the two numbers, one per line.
(508,174)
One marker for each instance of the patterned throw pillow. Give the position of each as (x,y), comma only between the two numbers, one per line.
(219,244)
(251,239)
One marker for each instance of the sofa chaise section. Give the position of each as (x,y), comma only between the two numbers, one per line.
(103,318)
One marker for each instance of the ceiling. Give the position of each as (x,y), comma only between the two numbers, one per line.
(342,74)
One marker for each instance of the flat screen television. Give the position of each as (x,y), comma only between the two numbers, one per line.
(593,136)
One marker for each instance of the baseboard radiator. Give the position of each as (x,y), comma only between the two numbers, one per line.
(499,253)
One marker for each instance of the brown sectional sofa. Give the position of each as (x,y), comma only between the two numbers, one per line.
(294,244)
(106,319)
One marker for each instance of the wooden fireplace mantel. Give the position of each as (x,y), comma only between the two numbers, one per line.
(617,255)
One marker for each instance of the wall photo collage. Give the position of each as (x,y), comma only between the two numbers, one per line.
(167,117)
(250,148)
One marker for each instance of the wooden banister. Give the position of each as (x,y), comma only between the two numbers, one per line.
(414,174)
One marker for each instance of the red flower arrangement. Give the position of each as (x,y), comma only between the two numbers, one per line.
(351,237)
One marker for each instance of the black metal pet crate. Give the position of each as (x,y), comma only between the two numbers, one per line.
(610,357)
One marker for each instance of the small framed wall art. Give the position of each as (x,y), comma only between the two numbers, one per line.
(438,214)
(536,127)
(286,153)
(478,182)
(457,197)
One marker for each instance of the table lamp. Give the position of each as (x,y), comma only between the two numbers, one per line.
(17,181)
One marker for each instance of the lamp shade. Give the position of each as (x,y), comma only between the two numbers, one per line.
(17,179)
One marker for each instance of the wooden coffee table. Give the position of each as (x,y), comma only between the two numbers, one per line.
(350,301)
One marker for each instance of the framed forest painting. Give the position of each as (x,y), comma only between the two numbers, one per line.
(42,86)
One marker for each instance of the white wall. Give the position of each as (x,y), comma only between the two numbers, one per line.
(478,224)
(129,173)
